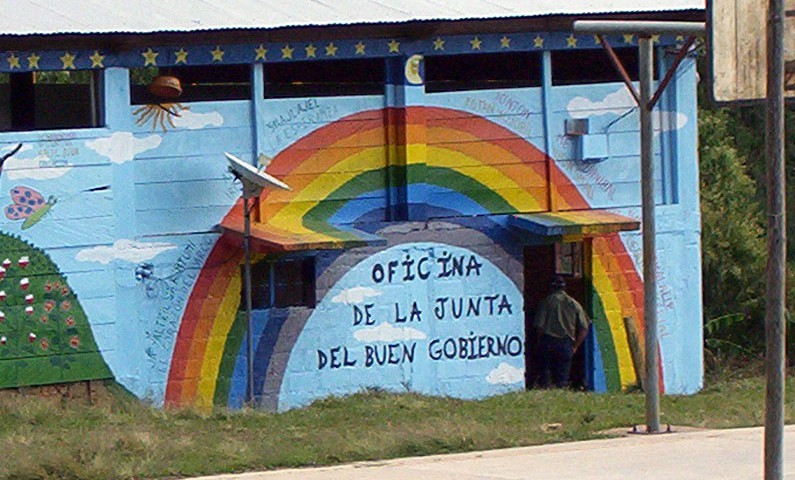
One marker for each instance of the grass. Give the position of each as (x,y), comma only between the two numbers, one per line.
(118,437)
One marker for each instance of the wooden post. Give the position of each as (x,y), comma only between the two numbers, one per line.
(635,350)
(777,245)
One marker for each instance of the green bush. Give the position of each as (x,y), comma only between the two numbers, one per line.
(733,241)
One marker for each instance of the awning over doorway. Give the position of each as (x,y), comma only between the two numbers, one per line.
(578,222)
(271,238)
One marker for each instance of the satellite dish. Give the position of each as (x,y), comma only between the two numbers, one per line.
(254,181)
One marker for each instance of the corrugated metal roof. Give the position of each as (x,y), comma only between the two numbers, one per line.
(48,17)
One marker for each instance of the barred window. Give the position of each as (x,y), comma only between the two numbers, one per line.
(51,100)
(283,283)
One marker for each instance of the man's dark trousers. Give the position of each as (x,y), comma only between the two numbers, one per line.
(554,361)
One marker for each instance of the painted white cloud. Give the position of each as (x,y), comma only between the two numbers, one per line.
(34,168)
(355,295)
(123,146)
(505,374)
(619,103)
(124,249)
(668,121)
(616,103)
(193,121)
(386,332)
(20,167)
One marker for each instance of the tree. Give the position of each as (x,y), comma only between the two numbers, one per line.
(733,240)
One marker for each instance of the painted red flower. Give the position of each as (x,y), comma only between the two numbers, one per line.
(66,305)
(48,287)
(74,342)
(65,291)
(45,344)
(70,321)
(49,305)
(57,285)
(44,318)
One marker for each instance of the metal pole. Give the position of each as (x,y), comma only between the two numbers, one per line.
(777,245)
(646,59)
(247,286)
(639,27)
(644,30)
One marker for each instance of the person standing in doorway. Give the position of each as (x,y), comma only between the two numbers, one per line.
(561,326)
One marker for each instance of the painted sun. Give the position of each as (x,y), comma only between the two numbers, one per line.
(159,114)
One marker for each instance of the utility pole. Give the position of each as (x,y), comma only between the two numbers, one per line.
(777,245)
(646,99)
(646,60)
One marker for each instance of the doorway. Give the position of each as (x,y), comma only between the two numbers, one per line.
(541,262)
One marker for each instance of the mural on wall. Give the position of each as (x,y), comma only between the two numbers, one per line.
(48,336)
(45,333)
(461,175)
(29,206)
(159,115)
(422,317)
(419,276)
(45,336)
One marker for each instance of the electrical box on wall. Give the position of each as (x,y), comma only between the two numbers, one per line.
(588,147)
(591,148)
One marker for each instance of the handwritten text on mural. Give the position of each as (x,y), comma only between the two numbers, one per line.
(426,268)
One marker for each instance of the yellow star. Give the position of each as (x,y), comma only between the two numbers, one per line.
(331,50)
(33,61)
(97,59)
(287,52)
(261,52)
(68,60)
(475,42)
(655,39)
(218,54)
(596,40)
(680,38)
(359,48)
(571,42)
(505,42)
(538,42)
(13,61)
(181,55)
(394,47)
(310,51)
(628,37)
(438,44)
(150,57)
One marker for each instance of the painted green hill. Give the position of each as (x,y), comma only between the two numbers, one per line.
(45,336)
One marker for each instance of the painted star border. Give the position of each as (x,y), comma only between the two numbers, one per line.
(316,50)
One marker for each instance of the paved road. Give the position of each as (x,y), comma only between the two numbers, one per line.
(706,454)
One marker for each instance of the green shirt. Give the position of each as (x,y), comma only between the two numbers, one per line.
(560,316)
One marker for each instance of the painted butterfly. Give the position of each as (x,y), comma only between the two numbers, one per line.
(28,204)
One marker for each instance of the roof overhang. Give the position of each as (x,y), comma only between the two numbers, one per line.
(271,238)
(573,223)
